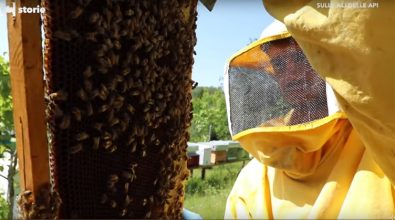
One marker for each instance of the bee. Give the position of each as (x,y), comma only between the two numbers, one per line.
(133,166)
(113,204)
(135,93)
(180,190)
(113,178)
(126,187)
(103,70)
(134,147)
(100,53)
(130,108)
(75,149)
(89,109)
(104,62)
(87,72)
(104,108)
(65,123)
(143,153)
(113,148)
(82,136)
(151,199)
(118,102)
(63,35)
(114,121)
(110,115)
(91,36)
(96,143)
(130,82)
(117,45)
(103,91)
(131,139)
(144,202)
(162,149)
(127,201)
(109,43)
(82,95)
(123,212)
(76,12)
(123,126)
(108,14)
(77,113)
(107,136)
(112,84)
(126,71)
(94,18)
(107,145)
(123,33)
(124,87)
(94,93)
(119,78)
(136,60)
(148,215)
(114,59)
(155,182)
(98,126)
(58,96)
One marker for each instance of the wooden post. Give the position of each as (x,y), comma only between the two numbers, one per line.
(26,72)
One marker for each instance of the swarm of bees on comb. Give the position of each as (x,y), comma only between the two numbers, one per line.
(118,93)
(45,206)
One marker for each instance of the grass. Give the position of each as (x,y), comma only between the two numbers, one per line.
(208,197)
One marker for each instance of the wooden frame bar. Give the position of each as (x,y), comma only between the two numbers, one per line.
(26,72)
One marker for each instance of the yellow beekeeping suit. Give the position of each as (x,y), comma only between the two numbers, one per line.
(342,165)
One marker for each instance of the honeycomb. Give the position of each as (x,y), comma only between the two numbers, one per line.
(118,92)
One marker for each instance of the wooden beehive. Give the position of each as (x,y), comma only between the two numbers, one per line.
(118,105)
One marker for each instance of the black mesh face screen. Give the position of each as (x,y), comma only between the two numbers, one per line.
(280,88)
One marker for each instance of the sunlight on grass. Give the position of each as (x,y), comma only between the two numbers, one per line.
(208,197)
(208,206)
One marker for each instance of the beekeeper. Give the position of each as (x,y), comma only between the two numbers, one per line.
(311,159)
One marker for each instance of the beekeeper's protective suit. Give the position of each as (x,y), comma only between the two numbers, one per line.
(309,159)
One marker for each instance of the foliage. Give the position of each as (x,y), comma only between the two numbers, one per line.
(6,133)
(217,179)
(3,208)
(209,115)
(6,121)
(208,197)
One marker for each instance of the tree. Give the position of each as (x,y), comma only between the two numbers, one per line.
(209,115)
(7,145)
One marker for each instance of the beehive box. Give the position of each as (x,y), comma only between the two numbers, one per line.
(218,151)
(236,152)
(193,160)
(192,147)
(204,153)
(193,156)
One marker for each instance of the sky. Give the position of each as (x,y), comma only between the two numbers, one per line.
(230,26)
(3,29)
